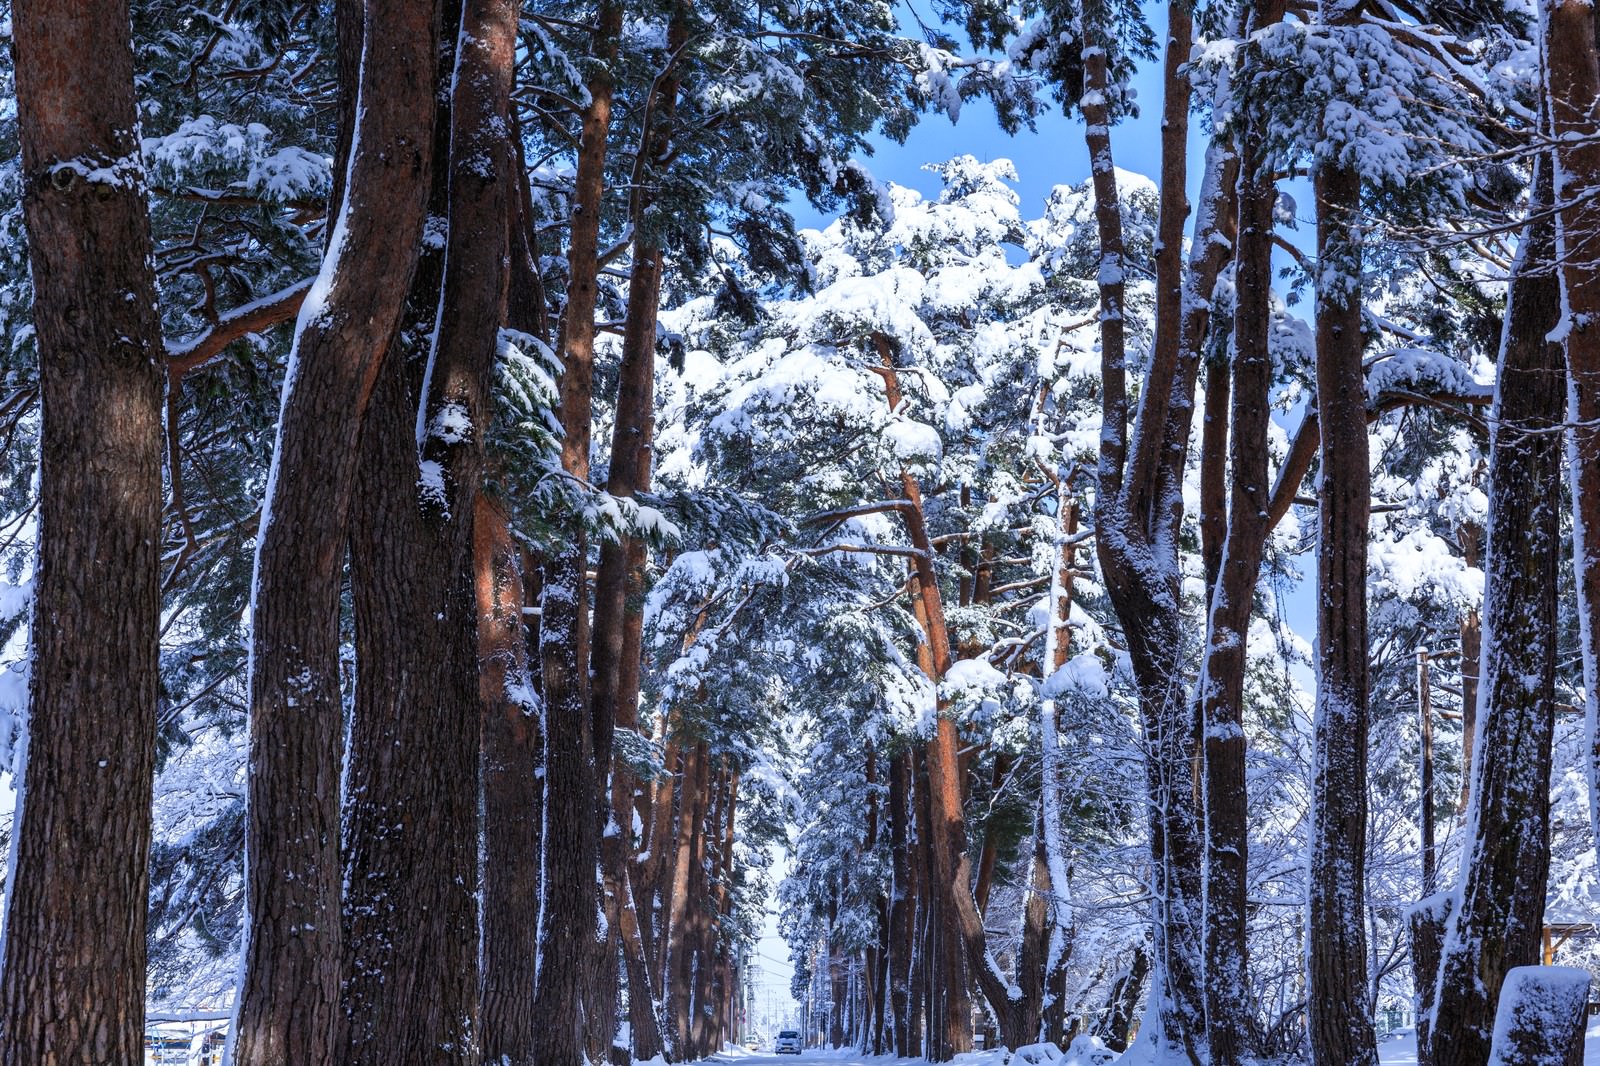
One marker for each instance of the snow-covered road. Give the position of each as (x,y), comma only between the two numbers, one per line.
(1400,1050)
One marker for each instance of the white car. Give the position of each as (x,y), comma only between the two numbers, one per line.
(788,1043)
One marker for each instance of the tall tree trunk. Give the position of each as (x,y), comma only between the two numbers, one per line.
(287,1010)
(1470,537)
(1138,520)
(72,979)
(1572,65)
(680,942)
(1338,1018)
(617,618)
(513,798)
(948,828)
(1055,883)
(1221,687)
(1500,913)
(411,820)
(567,946)
(902,903)
(510,873)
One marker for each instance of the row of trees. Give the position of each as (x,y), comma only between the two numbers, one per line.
(438,648)
(593,526)
(1396,126)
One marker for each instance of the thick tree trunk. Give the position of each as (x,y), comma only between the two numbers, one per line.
(510,872)
(680,941)
(1501,895)
(1572,64)
(902,904)
(567,945)
(1338,1017)
(504,583)
(73,973)
(287,1009)
(411,821)
(1426,923)
(702,930)
(1138,520)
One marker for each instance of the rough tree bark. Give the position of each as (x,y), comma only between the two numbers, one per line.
(1336,1003)
(510,875)
(694,792)
(73,972)
(287,1010)
(567,947)
(411,818)
(1138,515)
(617,618)
(1572,64)
(511,742)
(1499,916)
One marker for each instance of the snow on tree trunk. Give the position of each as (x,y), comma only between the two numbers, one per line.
(1572,65)
(1425,924)
(1136,540)
(614,658)
(510,882)
(1336,946)
(411,817)
(287,1009)
(72,979)
(567,921)
(1540,1020)
(1220,691)
(1499,914)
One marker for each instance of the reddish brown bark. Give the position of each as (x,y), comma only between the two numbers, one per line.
(1336,1007)
(1572,62)
(618,619)
(688,852)
(1500,897)
(411,818)
(510,793)
(947,825)
(567,944)
(73,973)
(287,1009)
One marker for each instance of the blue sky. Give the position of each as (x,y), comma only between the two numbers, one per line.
(1053,154)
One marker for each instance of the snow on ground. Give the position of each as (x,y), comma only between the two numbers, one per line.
(1400,1049)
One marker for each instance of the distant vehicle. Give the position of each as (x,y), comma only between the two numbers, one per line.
(752,1044)
(788,1043)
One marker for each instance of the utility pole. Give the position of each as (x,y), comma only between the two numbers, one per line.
(1425,717)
